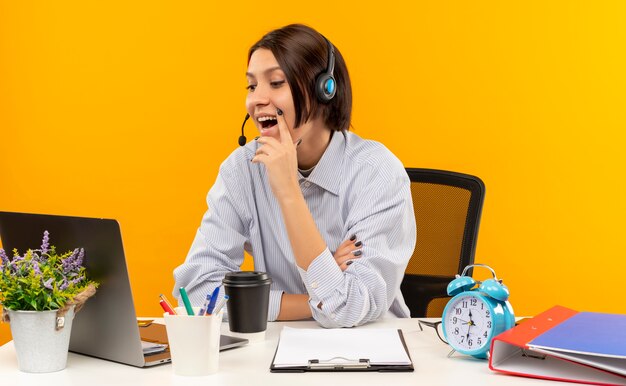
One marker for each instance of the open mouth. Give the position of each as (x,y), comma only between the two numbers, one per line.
(267,121)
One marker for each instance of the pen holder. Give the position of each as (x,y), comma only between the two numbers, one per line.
(194,342)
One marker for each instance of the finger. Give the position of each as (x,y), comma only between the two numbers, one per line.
(283,129)
(263,150)
(260,158)
(346,258)
(343,246)
(342,258)
(348,241)
(268,141)
(344,250)
(268,146)
(345,265)
(350,248)
(350,255)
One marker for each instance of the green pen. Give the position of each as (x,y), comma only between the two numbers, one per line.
(183,295)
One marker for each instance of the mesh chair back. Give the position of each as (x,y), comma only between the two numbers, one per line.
(447,207)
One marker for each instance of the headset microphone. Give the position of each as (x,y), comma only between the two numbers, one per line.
(242,138)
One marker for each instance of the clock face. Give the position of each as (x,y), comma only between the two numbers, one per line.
(468,323)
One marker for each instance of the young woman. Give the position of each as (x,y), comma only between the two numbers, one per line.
(326,214)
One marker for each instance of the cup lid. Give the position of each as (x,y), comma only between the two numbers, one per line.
(245,278)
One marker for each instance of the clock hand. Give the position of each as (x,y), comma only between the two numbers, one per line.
(471,321)
(469,325)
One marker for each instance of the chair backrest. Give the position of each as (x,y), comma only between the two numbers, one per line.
(447,207)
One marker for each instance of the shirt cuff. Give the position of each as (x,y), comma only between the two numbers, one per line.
(276,297)
(323,276)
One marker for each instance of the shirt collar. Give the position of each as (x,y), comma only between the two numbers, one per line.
(327,172)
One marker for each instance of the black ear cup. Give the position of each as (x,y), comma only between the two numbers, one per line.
(325,84)
(325,87)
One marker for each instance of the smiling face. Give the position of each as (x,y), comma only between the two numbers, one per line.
(268,90)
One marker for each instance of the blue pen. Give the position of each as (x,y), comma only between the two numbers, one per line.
(205,306)
(211,306)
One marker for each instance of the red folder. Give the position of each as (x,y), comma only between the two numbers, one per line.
(510,353)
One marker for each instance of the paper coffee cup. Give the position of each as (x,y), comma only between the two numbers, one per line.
(248,303)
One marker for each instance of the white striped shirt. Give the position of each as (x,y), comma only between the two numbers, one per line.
(358,187)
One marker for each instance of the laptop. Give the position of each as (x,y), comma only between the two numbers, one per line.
(106,327)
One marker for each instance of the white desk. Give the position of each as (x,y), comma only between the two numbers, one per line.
(249,366)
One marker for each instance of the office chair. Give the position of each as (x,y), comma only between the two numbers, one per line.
(447,207)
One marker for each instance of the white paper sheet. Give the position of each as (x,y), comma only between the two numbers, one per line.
(152,348)
(380,346)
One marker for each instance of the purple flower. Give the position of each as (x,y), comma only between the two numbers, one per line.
(64,286)
(74,261)
(45,243)
(35,256)
(48,284)
(4,257)
(79,259)
(69,262)
(36,268)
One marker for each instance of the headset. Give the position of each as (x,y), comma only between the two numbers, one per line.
(325,86)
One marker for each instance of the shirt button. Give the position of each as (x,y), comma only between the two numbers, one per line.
(314,284)
(332,316)
(307,184)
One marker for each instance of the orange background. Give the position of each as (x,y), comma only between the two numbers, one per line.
(125,110)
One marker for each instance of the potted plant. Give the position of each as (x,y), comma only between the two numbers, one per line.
(39,292)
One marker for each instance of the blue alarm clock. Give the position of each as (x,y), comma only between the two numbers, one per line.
(476,313)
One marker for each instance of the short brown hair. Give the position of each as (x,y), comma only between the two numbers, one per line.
(302,54)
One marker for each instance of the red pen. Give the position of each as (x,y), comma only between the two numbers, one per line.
(166,305)
(166,308)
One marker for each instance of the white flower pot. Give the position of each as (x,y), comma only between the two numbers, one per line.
(40,347)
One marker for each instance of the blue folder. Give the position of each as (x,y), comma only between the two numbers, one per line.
(589,333)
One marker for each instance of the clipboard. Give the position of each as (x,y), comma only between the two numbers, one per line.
(382,350)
